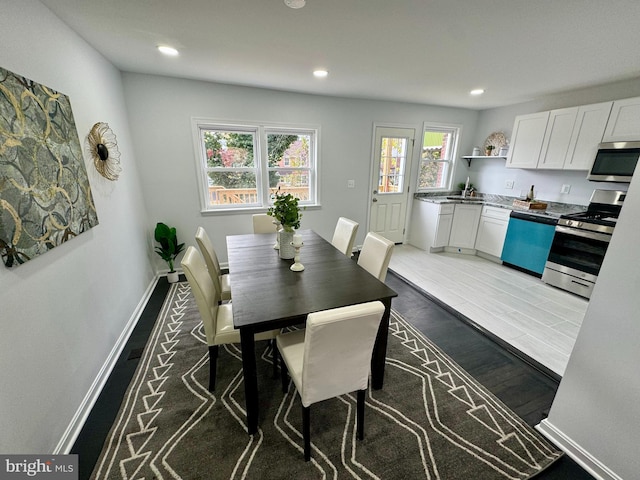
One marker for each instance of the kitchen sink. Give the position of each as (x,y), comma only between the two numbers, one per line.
(465,199)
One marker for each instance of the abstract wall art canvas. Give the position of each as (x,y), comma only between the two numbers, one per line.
(45,197)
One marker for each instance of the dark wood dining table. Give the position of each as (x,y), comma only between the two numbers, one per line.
(268,295)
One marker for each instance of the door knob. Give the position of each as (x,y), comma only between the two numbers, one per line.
(374,200)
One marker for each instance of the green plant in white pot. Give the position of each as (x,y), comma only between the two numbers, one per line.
(169,247)
(286,211)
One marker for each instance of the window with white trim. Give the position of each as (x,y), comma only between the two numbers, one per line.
(437,157)
(242,166)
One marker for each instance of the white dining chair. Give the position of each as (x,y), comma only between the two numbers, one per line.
(331,357)
(375,255)
(344,235)
(263,223)
(217,319)
(220,280)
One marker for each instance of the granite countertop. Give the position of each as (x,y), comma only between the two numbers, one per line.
(554,209)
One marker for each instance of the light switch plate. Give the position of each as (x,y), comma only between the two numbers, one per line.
(351,184)
(565,189)
(509,184)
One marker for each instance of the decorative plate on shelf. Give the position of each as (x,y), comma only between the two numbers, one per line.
(497,139)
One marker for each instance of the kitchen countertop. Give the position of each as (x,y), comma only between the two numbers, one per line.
(554,209)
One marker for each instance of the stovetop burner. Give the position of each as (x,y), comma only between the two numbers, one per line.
(593,216)
(601,215)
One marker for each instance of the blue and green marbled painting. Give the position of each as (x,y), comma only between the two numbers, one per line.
(45,197)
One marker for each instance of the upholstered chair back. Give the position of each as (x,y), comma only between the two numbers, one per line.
(344,235)
(263,223)
(338,345)
(203,290)
(375,255)
(210,257)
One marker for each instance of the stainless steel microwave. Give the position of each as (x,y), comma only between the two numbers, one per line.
(615,162)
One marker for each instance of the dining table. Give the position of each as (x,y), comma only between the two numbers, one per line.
(267,295)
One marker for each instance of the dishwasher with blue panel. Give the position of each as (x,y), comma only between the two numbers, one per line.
(528,241)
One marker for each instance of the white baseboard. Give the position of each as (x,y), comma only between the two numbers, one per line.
(576,452)
(77,422)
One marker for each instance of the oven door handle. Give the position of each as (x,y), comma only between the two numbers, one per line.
(582,233)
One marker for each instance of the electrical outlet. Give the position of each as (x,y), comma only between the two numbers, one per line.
(509,184)
(565,189)
(351,184)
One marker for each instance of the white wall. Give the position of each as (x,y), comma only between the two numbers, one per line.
(490,175)
(161,109)
(62,312)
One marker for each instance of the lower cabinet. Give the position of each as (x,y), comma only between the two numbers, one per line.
(465,225)
(430,225)
(492,230)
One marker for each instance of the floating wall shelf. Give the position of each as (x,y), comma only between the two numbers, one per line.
(468,158)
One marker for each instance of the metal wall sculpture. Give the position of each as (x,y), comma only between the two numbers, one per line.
(45,197)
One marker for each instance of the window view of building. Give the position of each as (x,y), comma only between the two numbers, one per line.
(393,158)
(437,158)
(241,173)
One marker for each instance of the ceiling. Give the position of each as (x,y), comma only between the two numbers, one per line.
(419,51)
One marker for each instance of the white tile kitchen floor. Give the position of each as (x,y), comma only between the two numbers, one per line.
(537,319)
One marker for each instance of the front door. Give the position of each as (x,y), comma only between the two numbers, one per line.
(393,148)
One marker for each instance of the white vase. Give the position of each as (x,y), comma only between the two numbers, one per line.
(286,249)
(173,277)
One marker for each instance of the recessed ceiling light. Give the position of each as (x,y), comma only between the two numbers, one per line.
(172,52)
(295,3)
(320,73)
(477,91)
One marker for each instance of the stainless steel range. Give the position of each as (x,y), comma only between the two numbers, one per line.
(580,242)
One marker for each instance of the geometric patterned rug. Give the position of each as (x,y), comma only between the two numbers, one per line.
(431,420)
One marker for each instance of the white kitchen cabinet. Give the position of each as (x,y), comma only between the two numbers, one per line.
(430,225)
(526,140)
(555,145)
(465,225)
(624,121)
(588,132)
(443,227)
(492,230)
(569,141)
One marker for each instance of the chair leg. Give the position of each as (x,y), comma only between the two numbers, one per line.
(284,374)
(306,435)
(274,346)
(213,360)
(360,414)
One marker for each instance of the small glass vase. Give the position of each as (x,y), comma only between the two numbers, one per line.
(286,249)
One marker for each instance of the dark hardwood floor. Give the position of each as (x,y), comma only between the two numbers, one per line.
(527,390)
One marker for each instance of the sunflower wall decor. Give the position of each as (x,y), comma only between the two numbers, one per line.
(103,148)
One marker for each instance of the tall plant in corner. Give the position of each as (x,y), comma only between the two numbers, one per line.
(169,247)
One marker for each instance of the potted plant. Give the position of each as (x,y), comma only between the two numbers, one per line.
(488,150)
(169,247)
(462,185)
(286,211)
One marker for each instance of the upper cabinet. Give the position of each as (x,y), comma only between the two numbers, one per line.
(591,121)
(526,140)
(624,121)
(555,144)
(562,139)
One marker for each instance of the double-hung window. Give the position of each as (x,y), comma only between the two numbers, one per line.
(243,166)
(437,157)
